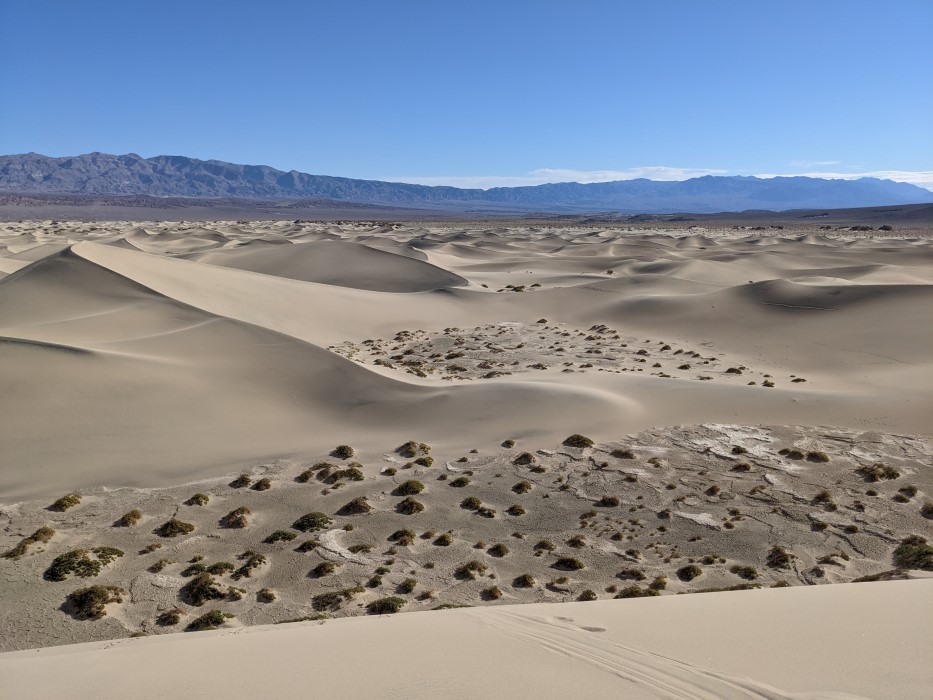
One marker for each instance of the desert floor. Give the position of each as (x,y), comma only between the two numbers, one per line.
(751,410)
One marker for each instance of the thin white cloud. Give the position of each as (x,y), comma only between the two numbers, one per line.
(920,178)
(543,176)
(813,163)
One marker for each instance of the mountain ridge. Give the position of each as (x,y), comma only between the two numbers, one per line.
(180,176)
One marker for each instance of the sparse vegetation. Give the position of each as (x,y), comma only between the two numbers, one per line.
(263,484)
(877,472)
(689,572)
(444,540)
(242,481)
(69,500)
(325,568)
(129,519)
(498,550)
(236,519)
(471,503)
(914,553)
(749,573)
(636,591)
(409,488)
(460,482)
(609,502)
(522,487)
(523,581)
(170,618)
(405,537)
(357,506)
(409,506)
(198,499)
(515,510)
(386,606)
(80,563)
(210,620)
(407,586)
(88,603)
(568,564)
(343,452)
(280,536)
(43,534)
(578,441)
(470,570)
(622,453)
(174,528)
(312,522)
(779,558)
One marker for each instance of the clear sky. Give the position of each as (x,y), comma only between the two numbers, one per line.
(477,92)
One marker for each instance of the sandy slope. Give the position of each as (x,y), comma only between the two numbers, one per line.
(752,644)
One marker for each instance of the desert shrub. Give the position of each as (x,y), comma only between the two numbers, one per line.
(877,472)
(524,459)
(470,570)
(914,553)
(210,620)
(409,488)
(622,454)
(658,584)
(311,522)
(358,548)
(516,510)
(198,499)
(327,601)
(689,572)
(791,454)
(305,476)
(220,568)
(460,482)
(412,449)
(631,575)
(409,506)
(201,589)
(749,573)
(308,546)
(80,563)
(129,519)
(325,568)
(170,617)
(743,467)
(577,440)
(173,528)
(425,461)
(357,506)
(407,586)
(491,593)
(824,498)
(545,545)
(193,570)
(242,481)
(926,510)
(471,503)
(508,444)
(779,558)
(88,603)
(522,487)
(498,550)
(608,501)
(69,500)
(817,456)
(343,452)
(568,564)
(587,595)
(404,538)
(280,536)
(486,512)
(523,581)
(43,534)
(577,541)
(444,540)
(266,595)
(636,591)
(159,565)
(236,519)
(251,562)
(739,450)
(263,484)
(386,606)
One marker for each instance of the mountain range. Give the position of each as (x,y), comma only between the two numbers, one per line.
(180,176)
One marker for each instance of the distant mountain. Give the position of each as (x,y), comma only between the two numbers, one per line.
(178,176)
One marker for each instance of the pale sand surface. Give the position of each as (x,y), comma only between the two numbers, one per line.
(873,639)
(141,362)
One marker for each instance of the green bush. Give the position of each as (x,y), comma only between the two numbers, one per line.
(263,484)
(280,536)
(173,528)
(636,591)
(623,454)
(251,562)
(343,452)
(201,589)
(88,603)
(170,617)
(69,500)
(242,481)
(577,440)
(516,510)
(524,459)
(460,482)
(689,572)
(43,534)
(409,488)
(498,550)
(386,606)
(357,506)
(470,570)
(749,573)
(444,540)
(568,564)
(409,506)
(220,568)
(779,558)
(471,503)
(210,620)
(405,537)
(129,519)
(198,499)
(587,595)
(914,553)
(817,456)
(523,581)
(425,461)
(522,487)
(325,568)
(311,522)
(237,518)
(79,563)
(407,586)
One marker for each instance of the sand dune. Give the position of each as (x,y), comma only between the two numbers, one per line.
(141,361)
(672,647)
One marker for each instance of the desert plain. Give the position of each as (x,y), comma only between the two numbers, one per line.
(526,438)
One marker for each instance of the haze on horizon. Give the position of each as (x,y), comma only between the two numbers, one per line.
(481,95)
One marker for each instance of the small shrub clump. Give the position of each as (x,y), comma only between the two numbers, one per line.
(522,487)
(88,603)
(357,506)
(405,537)
(311,522)
(251,562)
(69,500)
(779,558)
(877,472)
(263,484)
(608,502)
(79,563)
(325,568)
(498,550)
(201,589)
(587,595)
(470,570)
(409,488)
(407,586)
(460,482)
(129,519)
(242,481)
(568,564)
(386,606)
(636,591)
(170,618)
(523,581)
(198,499)
(409,506)
(210,620)
(577,440)
(343,452)
(749,573)
(515,509)
(622,454)
(43,534)
(280,536)
(689,572)
(173,528)
(914,553)
(236,519)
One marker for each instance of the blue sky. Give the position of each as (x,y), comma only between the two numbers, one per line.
(479,93)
